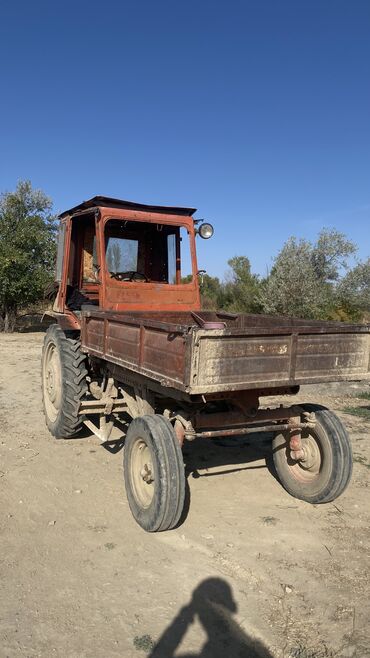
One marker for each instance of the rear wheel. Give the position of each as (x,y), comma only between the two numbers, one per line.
(326,469)
(154,473)
(63,379)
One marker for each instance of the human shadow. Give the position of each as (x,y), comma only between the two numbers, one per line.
(213,606)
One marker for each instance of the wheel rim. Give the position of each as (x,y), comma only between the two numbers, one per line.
(307,469)
(52,381)
(142,473)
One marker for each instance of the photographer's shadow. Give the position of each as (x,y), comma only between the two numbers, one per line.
(213,606)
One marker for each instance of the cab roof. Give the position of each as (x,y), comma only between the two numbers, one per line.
(109,202)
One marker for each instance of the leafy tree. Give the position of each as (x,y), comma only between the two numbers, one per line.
(304,278)
(27,249)
(354,290)
(242,288)
(211,291)
(238,293)
(330,254)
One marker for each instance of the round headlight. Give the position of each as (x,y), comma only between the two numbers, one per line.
(205,231)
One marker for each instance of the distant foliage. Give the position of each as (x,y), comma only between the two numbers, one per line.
(309,280)
(354,291)
(306,278)
(238,293)
(27,249)
(242,287)
(293,288)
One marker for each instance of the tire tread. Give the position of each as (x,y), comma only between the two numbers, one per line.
(168,502)
(341,455)
(74,386)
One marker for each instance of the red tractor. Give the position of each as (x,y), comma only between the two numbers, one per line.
(132,354)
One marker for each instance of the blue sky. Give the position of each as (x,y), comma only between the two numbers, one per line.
(255,112)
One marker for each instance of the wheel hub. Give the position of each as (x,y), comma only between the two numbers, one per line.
(142,472)
(146,473)
(50,383)
(307,464)
(311,458)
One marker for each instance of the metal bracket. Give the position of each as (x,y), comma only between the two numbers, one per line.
(104,431)
(139,404)
(297,449)
(104,404)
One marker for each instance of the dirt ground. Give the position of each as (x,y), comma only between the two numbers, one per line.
(250,572)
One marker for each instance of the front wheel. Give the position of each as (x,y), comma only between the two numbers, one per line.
(326,469)
(154,473)
(63,377)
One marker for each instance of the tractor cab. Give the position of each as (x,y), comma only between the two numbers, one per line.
(124,256)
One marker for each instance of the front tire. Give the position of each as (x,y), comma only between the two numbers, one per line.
(327,469)
(154,473)
(63,380)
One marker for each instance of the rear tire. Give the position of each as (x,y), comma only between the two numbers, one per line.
(63,380)
(326,472)
(154,473)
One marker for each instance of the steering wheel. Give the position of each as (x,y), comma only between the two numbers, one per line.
(130,275)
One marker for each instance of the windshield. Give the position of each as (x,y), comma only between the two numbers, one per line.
(147,252)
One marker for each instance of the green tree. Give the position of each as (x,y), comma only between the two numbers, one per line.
(330,254)
(241,291)
(211,292)
(27,249)
(354,290)
(305,277)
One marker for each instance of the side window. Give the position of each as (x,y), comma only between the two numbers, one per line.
(185,255)
(89,264)
(60,252)
(171,251)
(122,255)
(179,258)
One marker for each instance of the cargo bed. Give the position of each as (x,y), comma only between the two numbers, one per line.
(207,352)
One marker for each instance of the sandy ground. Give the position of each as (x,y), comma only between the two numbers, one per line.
(250,572)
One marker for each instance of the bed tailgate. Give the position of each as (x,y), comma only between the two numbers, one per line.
(224,361)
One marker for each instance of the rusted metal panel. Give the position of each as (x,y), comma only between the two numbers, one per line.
(136,296)
(124,341)
(240,360)
(93,335)
(109,202)
(163,353)
(343,355)
(230,418)
(152,351)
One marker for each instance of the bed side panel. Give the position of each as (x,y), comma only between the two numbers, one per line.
(154,352)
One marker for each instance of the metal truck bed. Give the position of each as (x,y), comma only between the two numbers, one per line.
(207,352)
